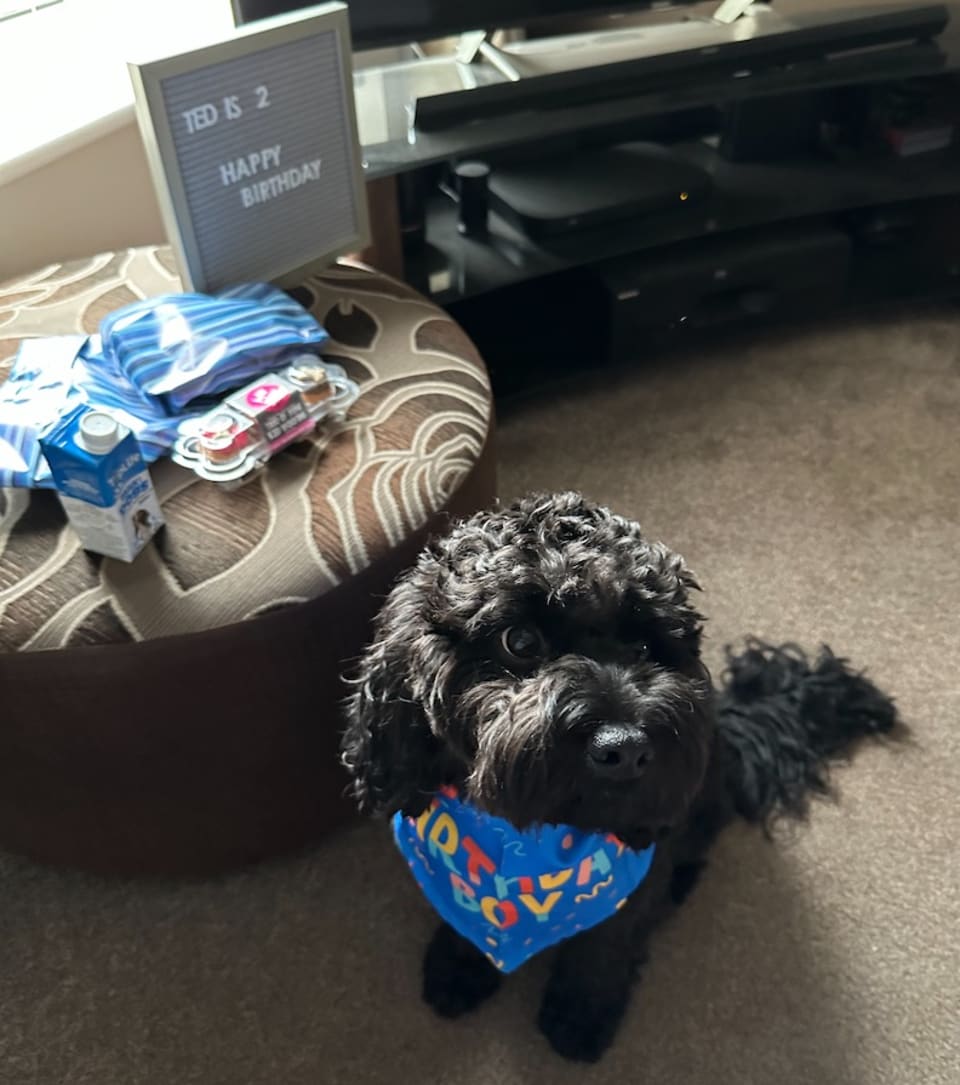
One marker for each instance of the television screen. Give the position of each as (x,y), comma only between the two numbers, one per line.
(390,22)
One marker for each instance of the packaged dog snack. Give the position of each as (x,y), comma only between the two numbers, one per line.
(276,408)
(103,483)
(231,442)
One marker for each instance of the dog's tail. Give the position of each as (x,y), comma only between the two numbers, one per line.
(783,719)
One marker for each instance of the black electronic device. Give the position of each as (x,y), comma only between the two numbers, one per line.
(473,192)
(376,23)
(556,194)
(792,271)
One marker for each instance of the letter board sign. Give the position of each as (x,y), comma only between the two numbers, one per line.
(252,143)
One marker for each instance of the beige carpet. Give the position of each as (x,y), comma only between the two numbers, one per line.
(813,480)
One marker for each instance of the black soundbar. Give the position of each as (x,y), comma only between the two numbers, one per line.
(583,86)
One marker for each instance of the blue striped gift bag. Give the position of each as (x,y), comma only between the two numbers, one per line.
(102,383)
(181,347)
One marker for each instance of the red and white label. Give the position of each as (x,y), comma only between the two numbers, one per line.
(266,396)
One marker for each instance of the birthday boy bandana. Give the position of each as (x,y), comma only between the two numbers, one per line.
(515,893)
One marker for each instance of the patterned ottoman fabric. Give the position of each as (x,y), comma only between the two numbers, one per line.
(322,511)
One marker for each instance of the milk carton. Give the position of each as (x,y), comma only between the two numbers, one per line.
(102,482)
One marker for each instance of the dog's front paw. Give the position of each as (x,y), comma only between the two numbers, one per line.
(456,975)
(576,1027)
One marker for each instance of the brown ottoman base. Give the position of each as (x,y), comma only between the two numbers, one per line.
(191,754)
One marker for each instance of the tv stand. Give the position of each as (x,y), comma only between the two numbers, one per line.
(435,109)
(796,181)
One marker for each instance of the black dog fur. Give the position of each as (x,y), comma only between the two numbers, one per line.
(501,652)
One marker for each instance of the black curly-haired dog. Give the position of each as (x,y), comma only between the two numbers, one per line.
(544,661)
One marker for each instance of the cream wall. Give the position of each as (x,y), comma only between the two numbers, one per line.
(93,198)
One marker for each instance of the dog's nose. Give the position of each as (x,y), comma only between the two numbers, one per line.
(618,751)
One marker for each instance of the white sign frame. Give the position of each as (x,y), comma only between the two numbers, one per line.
(161,150)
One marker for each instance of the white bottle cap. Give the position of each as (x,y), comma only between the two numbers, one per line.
(99,432)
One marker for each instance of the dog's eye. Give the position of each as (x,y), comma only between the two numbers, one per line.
(641,649)
(522,642)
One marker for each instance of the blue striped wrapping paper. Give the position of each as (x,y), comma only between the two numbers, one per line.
(38,390)
(183,346)
(53,375)
(104,384)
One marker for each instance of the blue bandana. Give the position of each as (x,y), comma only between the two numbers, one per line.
(515,893)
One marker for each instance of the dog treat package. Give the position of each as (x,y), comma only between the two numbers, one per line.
(233,440)
(180,347)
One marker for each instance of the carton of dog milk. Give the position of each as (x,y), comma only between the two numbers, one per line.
(102,482)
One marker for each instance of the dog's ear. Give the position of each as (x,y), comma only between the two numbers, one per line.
(388,748)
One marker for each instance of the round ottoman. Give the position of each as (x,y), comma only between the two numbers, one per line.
(180,714)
